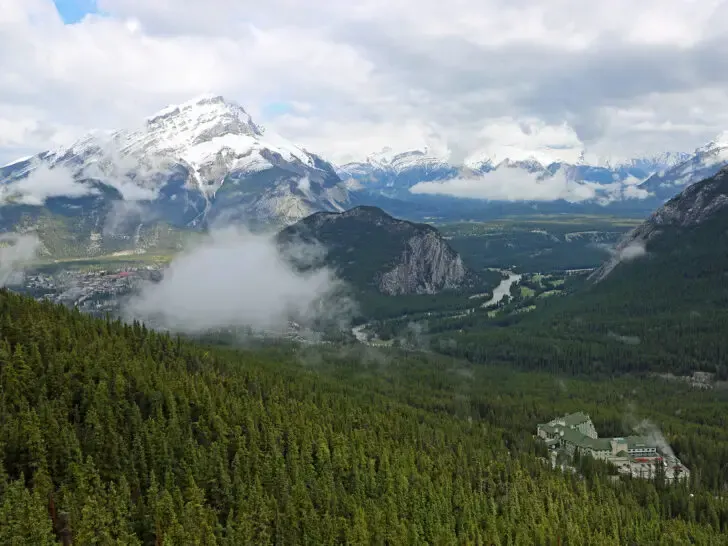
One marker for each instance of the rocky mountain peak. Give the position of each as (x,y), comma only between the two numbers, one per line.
(207,117)
(720,141)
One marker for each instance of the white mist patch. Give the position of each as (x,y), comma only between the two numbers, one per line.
(42,184)
(236,279)
(507,184)
(136,178)
(632,251)
(513,184)
(125,215)
(304,185)
(16,252)
(651,431)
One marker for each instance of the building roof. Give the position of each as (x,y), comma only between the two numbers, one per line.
(547,427)
(575,419)
(565,428)
(637,442)
(571,420)
(575,437)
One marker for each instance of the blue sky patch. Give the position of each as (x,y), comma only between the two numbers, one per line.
(277,108)
(72,11)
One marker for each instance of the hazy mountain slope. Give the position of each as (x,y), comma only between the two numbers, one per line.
(375,251)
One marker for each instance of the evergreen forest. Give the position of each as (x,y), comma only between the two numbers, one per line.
(111,433)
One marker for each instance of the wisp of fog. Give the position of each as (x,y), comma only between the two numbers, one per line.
(235,279)
(16,252)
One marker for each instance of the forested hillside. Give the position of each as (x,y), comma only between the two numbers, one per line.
(113,434)
(665,309)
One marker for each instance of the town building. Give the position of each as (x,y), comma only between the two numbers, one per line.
(635,455)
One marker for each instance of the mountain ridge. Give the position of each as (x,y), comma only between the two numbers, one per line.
(692,207)
(626,184)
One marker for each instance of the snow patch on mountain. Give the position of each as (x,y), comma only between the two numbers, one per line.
(720,141)
(652,164)
(18,160)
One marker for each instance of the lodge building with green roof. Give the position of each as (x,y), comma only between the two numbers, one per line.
(576,433)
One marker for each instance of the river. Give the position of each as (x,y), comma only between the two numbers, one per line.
(499,292)
(504,288)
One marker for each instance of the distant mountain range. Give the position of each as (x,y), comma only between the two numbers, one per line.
(507,184)
(704,163)
(206,162)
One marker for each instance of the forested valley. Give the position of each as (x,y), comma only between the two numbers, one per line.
(114,434)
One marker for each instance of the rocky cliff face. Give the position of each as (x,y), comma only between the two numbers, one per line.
(427,266)
(373,250)
(694,206)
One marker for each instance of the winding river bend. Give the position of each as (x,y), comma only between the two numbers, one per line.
(499,292)
(504,288)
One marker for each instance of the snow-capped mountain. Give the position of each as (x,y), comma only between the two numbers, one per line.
(495,154)
(704,163)
(188,165)
(652,164)
(392,174)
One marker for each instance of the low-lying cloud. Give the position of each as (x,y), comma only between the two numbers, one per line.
(134,178)
(513,184)
(16,253)
(510,185)
(236,279)
(43,183)
(632,251)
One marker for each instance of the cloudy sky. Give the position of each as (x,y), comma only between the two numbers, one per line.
(619,78)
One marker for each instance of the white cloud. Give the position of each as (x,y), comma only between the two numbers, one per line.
(507,184)
(632,251)
(236,279)
(17,251)
(516,140)
(633,192)
(626,78)
(43,183)
(304,185)
(516,184)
